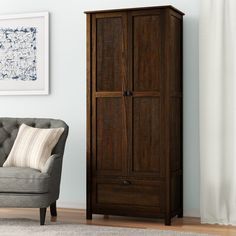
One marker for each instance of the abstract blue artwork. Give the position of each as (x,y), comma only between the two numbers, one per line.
(18,53)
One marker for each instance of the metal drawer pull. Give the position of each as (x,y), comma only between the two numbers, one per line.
(126,182)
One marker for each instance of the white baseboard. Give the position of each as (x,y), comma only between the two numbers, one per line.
(75,205)
(79,205)
(192,212)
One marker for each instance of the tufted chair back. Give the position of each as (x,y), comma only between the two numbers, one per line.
(9,128)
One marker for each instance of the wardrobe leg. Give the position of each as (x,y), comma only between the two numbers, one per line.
(180,214)
(167,220)
(89,215)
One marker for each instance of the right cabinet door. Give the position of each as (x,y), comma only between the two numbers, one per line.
(145,106)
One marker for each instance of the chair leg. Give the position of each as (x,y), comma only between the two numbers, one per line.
(53,209)
(42,215)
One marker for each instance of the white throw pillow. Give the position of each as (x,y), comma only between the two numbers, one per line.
(33,147)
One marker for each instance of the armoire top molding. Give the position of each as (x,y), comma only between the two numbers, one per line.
(136,8)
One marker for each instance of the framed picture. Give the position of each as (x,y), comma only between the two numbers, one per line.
(24,54)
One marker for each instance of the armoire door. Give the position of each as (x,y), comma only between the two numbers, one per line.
(109,135)
(146,120)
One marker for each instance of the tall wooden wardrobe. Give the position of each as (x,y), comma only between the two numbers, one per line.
(134,112)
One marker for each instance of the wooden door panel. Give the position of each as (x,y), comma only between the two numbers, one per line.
(109,78)
(146,116)
(109,53)
(146,52)
(146,135)
(109,140)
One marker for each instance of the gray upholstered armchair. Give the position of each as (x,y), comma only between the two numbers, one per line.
(26,187)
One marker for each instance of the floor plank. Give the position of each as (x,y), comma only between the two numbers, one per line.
(76,216)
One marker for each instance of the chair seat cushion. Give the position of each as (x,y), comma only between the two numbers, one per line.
(23,180)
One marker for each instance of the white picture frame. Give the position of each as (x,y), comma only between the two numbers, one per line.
(24,54)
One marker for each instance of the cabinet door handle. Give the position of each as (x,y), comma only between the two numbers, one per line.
(129,93)
(126,182)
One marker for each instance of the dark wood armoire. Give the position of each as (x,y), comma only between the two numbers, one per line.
(134,112)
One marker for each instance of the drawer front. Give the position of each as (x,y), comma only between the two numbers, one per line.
(130,193)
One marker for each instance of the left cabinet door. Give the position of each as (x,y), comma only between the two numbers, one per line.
(109,55)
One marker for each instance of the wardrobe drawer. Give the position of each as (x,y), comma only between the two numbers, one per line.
(129,193)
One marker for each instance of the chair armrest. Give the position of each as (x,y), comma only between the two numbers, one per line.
(50,163)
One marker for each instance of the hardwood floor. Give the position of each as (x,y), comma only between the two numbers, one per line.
(78,217)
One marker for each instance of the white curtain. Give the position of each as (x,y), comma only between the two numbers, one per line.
(217,93)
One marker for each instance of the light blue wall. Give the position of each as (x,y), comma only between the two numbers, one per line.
(68,87)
